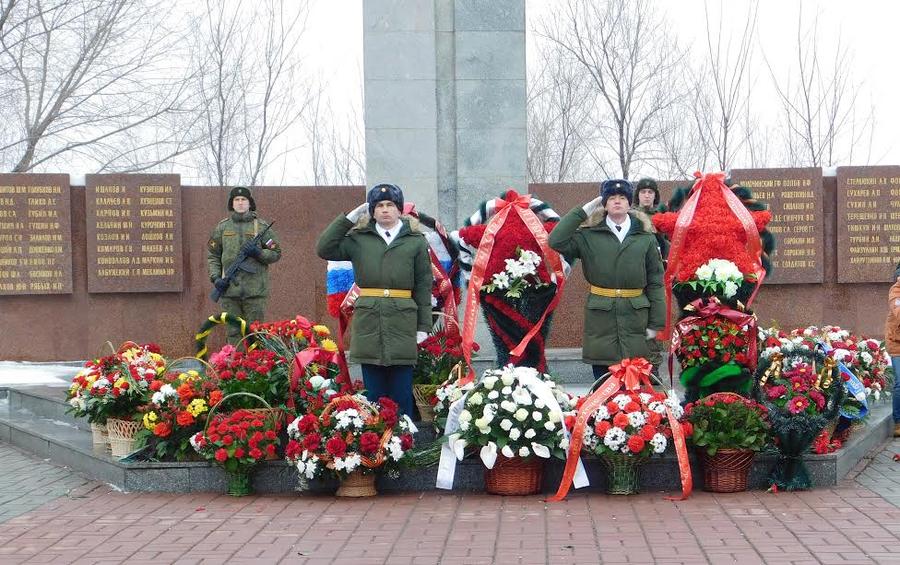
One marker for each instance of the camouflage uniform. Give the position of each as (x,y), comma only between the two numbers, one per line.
(248,293)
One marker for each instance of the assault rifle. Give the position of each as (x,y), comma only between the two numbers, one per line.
(241,263)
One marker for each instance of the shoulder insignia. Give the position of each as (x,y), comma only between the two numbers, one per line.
(212,244)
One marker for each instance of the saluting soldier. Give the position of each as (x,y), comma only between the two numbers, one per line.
(247,294)
(392,267)
(621,261)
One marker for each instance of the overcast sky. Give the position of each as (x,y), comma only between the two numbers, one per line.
(869,28)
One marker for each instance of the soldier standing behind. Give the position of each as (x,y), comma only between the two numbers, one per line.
(392,266)
(621,262)
(248,293)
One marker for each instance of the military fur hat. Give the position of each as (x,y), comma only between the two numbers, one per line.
(384,191)
(615,186)
(240,191)
(646,182)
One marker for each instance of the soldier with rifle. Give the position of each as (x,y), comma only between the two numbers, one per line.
(239,252)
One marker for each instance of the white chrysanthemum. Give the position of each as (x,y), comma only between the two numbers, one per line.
(530,433)
(636,419)
(614,438)
(657,407)
(621,400)
(730,289)
(602,413)
(394,448)
(659,443)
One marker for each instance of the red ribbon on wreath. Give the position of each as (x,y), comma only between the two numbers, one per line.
(633,375)
(521,206)
(710,309)
(753,245)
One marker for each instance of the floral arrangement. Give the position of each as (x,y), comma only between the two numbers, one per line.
(289,337)
(238,441)
(715,340)
(438,354)
(178,407)
(728,421)
(449,392)
(320,382)
(513,411)
(717,276)
(632,423)
(802,391)
(116,385)
(258,371)
(519,274)
(349,435)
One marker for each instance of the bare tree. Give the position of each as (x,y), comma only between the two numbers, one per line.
(818,98)
(560,102)
(633,64)
(79,78)
(726,66)
(336,147)
(247,60)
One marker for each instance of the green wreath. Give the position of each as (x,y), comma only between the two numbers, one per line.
(210,324)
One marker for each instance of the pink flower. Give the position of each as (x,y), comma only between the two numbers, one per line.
(798,404)
(776,392)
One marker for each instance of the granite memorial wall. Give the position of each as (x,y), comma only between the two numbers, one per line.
(125,256)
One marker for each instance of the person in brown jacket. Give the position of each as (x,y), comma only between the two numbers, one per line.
(892,342)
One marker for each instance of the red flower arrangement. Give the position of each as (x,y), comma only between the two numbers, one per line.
(438,354)
(239,440)
(179,405)
(259,371)
(349,435)
(796,390)
(717,340)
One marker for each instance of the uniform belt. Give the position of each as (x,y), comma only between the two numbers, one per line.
(616,292)
(385,292)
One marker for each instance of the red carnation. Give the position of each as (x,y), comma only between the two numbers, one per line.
(312,442)
(632,407)
(620,420)
(221,455)
(293,449)
(163,429)
(368,442)
(308,423)
(612,407)
(636,444)
(227,440)
(336,447)
(390,417)
(648,431)
(601,427)
(239,452)
(255,453)
(270,449)
(184,419)
(406,442)
(387,403)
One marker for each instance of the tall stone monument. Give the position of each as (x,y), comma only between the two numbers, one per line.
(445,100)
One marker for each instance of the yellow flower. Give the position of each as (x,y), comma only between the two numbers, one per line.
(197,407)
(194,374)
(329,345)
(182,377)
(322,330)
(118,383)
(149,419)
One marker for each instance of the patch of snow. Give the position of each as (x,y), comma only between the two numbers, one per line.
(24,373)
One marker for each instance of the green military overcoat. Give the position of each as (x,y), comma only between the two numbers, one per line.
(225,244)
(615,328)
(383,331)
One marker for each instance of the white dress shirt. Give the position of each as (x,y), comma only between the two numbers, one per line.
(614,227)
(388,234)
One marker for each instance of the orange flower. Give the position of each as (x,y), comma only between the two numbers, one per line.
(215,397)
(163,429)
(185,393)
(184,419)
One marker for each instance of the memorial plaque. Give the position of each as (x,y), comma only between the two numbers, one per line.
(35,234)
(133,233)
(868,223)
(794,197)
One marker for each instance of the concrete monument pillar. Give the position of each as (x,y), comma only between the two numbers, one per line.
(445,100)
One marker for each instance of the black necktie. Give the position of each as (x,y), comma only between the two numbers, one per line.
(618,228)
(387,234)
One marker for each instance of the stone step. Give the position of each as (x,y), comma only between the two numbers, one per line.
(65,444)
(46,402)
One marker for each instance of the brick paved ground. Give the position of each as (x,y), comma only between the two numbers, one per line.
(50,516)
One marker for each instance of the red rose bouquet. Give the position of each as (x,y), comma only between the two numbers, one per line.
(238,441)
(350,436)
(718,340)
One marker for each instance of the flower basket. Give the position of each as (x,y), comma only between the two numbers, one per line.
(622,472)
(423,395)
(514,476)
(357,485)
(727,470)
(99,436)
(239,482)
(121,436)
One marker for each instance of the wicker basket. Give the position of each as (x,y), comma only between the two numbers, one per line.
(423,395)
(516,476)
(121,436)
(622,477)
(727,470)
(99,437)
(357,484)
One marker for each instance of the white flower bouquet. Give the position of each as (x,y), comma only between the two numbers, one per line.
(716,276)
(518,274)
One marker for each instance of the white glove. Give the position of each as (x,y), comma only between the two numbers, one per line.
(355,214)
(651,334)
(420,337)
(593,205)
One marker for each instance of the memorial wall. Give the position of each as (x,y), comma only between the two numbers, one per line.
(125,256)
